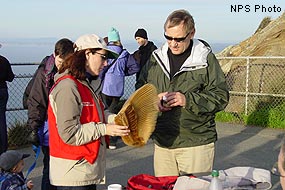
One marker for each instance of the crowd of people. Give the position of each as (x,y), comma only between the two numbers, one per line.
(87,75)
(73,95)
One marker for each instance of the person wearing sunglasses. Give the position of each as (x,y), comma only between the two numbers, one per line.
(77,122)
(192,88)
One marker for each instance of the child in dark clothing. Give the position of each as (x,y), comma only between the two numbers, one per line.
(11,167)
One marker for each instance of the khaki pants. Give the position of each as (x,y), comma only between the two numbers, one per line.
(180,161)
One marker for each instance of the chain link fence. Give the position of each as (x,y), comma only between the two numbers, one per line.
(255,83)
(16,115)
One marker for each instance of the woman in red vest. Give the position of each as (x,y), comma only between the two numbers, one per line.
(77,122)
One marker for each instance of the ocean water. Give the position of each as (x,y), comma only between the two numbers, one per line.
(34,51)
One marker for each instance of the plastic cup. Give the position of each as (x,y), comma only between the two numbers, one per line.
(115,187)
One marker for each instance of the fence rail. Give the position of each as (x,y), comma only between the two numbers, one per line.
(254,83)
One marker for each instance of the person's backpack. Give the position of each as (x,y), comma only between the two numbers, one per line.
(30,84)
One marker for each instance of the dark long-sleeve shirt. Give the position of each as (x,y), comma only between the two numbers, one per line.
(6,73)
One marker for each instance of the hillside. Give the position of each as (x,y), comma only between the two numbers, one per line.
(268,40)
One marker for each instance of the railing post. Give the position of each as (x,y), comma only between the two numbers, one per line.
(246,85)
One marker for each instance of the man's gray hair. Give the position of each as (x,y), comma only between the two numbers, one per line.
(180,16)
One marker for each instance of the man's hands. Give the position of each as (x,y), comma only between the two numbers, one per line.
(171,99)
(34,138)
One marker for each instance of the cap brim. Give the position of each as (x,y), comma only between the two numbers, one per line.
(25,156)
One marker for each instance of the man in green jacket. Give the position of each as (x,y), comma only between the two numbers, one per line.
(192,89)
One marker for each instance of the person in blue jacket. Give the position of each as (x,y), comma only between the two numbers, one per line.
(113,76)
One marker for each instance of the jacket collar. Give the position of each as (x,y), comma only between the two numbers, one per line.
(196,60)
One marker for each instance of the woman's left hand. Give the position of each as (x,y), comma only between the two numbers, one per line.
(117,130)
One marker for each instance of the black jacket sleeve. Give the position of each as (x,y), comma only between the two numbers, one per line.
(6,72)
(38,101)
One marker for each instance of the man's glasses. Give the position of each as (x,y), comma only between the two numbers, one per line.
(176,39)
(275,170)
(104,57)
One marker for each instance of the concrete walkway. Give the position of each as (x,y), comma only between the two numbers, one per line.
(237,146)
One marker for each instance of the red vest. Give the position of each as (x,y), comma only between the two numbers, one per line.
(89,113)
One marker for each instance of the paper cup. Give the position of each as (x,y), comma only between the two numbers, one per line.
(115,187)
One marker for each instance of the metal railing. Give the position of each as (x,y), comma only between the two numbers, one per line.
(254,83)
(254,72)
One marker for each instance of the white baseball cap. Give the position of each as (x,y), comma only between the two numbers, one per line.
(91,41)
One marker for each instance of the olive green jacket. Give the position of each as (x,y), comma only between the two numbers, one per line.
(203,83)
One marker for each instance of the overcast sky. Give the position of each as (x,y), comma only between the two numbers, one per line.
(215,20)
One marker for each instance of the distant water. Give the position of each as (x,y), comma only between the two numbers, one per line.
(35,52)
(26,52)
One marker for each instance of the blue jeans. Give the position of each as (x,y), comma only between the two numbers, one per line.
(3,125)
(45,179)
(89,187)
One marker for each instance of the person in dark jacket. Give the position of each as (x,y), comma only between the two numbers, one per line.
(6,74)
(146,47)
(192,88)
(38,102)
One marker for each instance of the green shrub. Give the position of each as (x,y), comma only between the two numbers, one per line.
(273,117)
(263,116)
(276,117)
(258,118)
(223,116)
(17,135)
